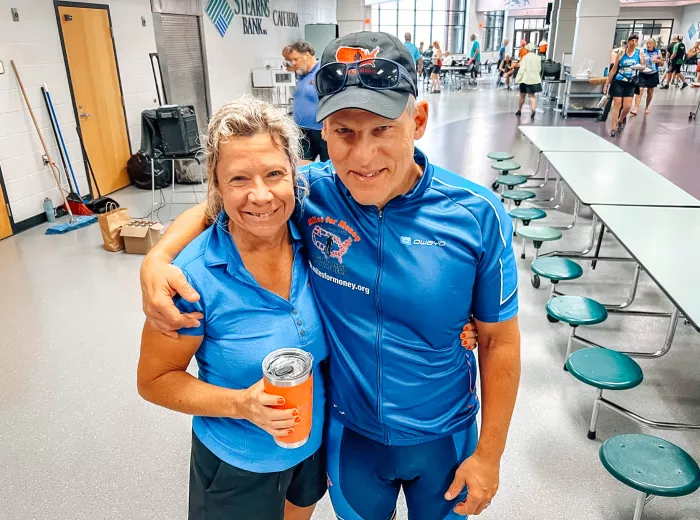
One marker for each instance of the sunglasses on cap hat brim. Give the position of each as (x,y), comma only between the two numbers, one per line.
(371,73)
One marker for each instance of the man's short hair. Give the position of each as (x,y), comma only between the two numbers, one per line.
(407,36)
(303,47)
(680,37)
(287,50)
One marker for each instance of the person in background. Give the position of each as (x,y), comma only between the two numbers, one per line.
(622,82)
(694,54)
(543,47)
(529,78)
(669,65)
(415,52)
(523,49)
(303,59)
(437,66)
(475,56)
(286,54)
(507,69)
(613,58)
(648,80)
(236,468)
(676,62)
(421,49)
(502,53)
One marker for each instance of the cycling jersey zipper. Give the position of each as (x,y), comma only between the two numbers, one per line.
(379,328)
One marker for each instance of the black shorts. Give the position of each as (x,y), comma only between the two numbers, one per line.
(530,89)
(675,67)
(436,69)
(219,491)
(313,145)
(622,88)
(649,80)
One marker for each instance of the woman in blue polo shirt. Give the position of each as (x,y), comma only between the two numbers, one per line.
(255,298)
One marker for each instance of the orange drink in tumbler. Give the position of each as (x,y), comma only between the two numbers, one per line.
(288,372)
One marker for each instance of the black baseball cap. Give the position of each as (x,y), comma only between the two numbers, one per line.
(366,45)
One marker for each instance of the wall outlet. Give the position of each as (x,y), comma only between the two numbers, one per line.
(15,14)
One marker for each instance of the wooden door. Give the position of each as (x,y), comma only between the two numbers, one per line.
(5,226)
(87,38)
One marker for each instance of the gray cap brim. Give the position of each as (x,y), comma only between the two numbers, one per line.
(385,103)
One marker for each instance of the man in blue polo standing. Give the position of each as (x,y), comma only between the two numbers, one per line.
(302,57)
(415,53)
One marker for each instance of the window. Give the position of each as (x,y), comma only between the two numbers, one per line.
(426,20)
(493,30)
(660,30)
(532,30)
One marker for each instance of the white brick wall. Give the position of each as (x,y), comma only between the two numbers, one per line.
(34,44)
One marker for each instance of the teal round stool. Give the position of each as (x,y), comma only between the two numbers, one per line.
(556,270)
(517,196)
(603,369)
(650,465)
(576,311)
(500,156)
(511,180)
(539,235)
(505,166)
(525,215)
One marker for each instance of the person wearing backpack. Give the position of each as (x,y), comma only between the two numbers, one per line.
(676,62)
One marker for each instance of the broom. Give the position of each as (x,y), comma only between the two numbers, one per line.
(75,200)
(74,222)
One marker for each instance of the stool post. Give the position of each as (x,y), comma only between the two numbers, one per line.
(515,226)
(522,255)
(594,415)
(570,344)
(639,508)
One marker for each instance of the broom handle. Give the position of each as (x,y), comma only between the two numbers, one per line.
(41,138)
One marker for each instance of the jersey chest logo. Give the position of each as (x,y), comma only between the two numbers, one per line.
(332,237)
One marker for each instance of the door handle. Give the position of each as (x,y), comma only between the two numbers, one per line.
(83,114)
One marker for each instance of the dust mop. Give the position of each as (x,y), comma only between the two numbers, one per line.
(74,222)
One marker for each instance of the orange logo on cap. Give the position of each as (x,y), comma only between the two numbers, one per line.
(353,54)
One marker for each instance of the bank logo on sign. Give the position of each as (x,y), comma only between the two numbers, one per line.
(220,13)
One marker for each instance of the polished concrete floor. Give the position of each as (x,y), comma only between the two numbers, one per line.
(78,443)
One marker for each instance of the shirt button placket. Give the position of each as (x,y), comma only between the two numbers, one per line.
(298,322)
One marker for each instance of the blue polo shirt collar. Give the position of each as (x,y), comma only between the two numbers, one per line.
(221,250)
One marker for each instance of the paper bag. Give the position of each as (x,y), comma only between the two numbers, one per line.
(111,224)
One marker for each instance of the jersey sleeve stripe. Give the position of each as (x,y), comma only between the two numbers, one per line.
(500,230)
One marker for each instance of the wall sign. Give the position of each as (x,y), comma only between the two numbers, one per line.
(220,14)
(253,13)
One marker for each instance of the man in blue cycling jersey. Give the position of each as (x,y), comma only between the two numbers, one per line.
(402,252)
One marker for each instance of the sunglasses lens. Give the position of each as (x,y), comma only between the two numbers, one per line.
(331,78)
(379,74)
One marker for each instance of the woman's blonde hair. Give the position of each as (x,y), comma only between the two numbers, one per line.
(246,117)
(652,40)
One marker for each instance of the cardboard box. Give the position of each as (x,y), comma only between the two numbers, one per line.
(141,235)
